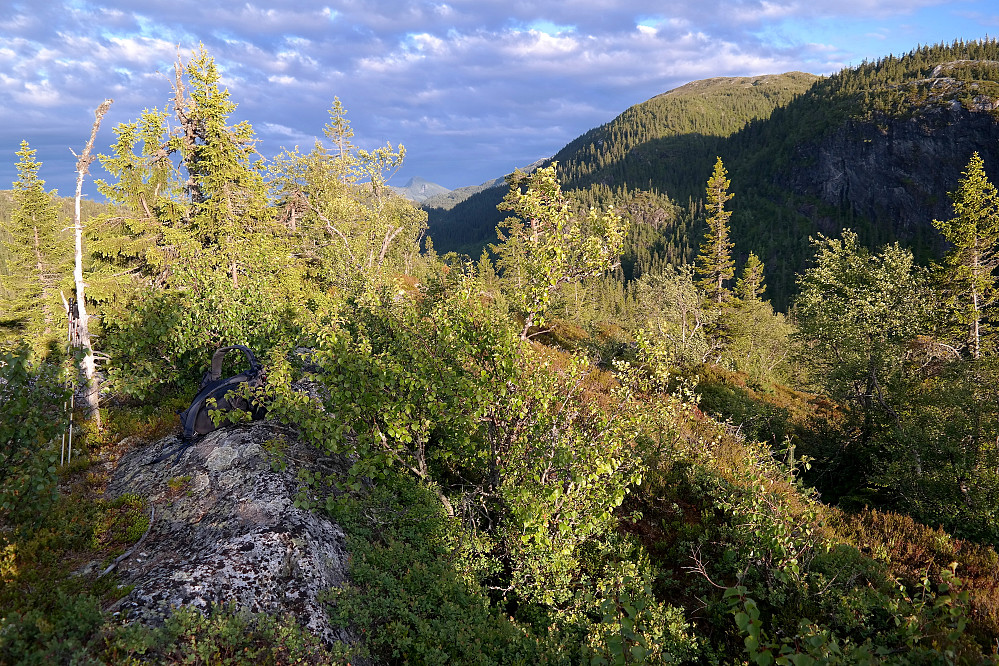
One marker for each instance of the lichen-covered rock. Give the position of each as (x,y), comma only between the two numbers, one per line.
(226,529)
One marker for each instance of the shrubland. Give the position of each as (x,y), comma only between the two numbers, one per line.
(548,463)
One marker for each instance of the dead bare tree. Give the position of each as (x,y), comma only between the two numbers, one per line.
(87,364)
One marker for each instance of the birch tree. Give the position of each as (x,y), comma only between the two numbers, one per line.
(350,224)
(858,312)
(548,245)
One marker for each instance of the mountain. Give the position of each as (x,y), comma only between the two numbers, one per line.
(465,220)
(419,190)
(451,198)
(649,144)
(875,147)
(700,111)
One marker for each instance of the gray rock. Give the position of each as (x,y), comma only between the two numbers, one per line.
(896,170)
(226,529)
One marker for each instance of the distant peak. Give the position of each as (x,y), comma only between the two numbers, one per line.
(420,189)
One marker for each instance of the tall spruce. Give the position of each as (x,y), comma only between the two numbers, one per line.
(226,194)
(968,276)
(750,285)
(194,232)
(190,189)
(715,264)
(38,252)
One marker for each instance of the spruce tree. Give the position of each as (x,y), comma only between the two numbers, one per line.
(750,285)
(715,264)
(165,220)
(142,234)
(38,252)
(969,267)
(194,235)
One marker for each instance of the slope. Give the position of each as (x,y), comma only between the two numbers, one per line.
(697,115)
(875,148)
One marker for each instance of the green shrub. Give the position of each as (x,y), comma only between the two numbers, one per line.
(33,400)
(412,592)
(220,637)
(56,634)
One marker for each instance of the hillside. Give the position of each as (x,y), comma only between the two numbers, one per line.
(532,461)
(694,116)
(875,148)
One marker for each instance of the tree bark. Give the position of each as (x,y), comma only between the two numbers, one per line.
(87,365)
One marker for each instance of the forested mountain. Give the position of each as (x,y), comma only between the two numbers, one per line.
(871,148)
(692,118)
(649,145)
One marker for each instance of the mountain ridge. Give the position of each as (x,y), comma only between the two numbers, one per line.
(875,147)
(470,225)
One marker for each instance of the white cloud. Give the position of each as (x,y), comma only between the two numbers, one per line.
(41,94)
(477,84)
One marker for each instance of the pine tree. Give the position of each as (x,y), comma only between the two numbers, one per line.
(715,264)
(38,255)
(969,267)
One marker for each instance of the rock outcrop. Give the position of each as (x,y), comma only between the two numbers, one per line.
(896,171)
(226,529)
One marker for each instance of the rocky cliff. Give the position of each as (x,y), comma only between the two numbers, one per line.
(897,170)
(225,528)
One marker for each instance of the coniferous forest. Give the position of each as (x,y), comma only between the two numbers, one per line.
(671,406)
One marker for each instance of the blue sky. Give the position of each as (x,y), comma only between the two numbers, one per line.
(472,88)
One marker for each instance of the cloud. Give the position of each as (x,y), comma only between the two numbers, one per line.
(472,87)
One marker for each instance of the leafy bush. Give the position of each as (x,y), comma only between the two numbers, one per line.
(33,400)
(412,592)
(162,339)
(58,634)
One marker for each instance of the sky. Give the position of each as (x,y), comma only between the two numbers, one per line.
(471,88)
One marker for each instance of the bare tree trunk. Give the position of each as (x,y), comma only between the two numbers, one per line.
(87,366)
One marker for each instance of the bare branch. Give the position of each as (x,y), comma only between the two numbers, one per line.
(385,243)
